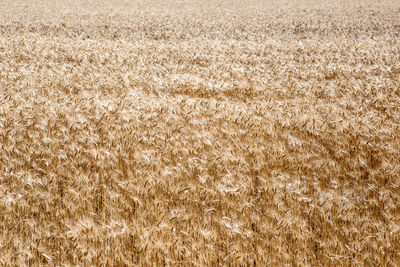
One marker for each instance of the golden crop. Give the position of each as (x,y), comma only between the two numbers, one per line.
(199,133)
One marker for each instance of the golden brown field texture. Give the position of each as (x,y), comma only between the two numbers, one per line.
(199,133)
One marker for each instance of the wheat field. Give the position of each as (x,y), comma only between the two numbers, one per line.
(199,133)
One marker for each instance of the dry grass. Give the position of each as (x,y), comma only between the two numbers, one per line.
(199,133)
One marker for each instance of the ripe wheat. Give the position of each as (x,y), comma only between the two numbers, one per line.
(199,133)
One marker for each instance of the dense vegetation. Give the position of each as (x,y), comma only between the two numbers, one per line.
(199,132)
